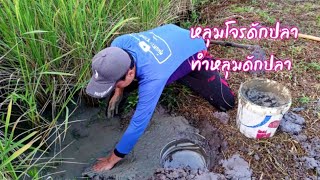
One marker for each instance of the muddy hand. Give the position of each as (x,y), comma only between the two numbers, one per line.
(106,163)
(114,105)
(103,164)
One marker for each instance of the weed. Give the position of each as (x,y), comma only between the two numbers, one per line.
(304,100)
(16,148)
(171,96)
(194,19)
(296,50)
(307,7)
(33,173)
(272,5)
(131,101)
(266,16)
(244,9)
(247,9)
(315,66)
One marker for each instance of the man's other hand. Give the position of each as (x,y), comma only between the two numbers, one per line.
(114,102)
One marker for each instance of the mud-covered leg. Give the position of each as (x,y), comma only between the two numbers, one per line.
(211,86)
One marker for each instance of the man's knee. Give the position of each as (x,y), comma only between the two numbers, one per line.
(228,102)
(224,102)
(227,95)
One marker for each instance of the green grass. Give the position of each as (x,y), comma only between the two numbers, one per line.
(192,21)
(266,16)
(21,151)
(17,152)
(131,101)
(307,6)
(171,96)
(50,43)
(242,9)
(315,66)
(272,5)
(261,13)
(304,100)
(33,173)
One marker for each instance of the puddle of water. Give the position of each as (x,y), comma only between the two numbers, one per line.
(184,158)
(183,153)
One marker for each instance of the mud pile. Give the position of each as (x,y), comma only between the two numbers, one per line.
(262,98)
(222,116)
(185,173)
(311,160)
(236,168)
(292,123)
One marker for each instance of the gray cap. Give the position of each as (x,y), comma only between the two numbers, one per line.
(108,66)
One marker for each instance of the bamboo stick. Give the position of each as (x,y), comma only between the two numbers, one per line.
(309,37)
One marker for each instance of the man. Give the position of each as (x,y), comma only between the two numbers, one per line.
(155,58)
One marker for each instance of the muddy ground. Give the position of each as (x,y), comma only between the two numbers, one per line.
(92,135)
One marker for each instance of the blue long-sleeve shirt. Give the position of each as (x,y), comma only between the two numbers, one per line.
(157,54)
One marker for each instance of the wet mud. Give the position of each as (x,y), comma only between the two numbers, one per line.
(236,168)
(95,136)
(263,98)
(292,123)
(185,173)
(311,159)
(223,117)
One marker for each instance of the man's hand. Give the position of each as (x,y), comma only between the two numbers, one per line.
(103,164)
(106,163)
(114,102)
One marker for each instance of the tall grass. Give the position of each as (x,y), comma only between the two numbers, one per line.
(151,13)
(21,154)
(16,151)
(51,43)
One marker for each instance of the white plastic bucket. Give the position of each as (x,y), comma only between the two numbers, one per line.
(255,121)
